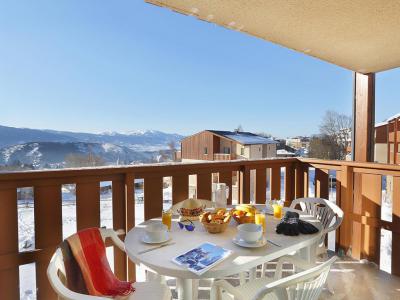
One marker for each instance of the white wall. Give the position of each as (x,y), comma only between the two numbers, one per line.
(381,153)
(256,151)
(269,150)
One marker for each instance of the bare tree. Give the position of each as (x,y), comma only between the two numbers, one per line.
(320,147)
(163,155)
(334,138)
(172,145)
(239,128)
(265,134)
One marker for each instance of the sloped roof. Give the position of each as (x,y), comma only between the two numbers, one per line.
(387,120)
(360,35)
(244,138)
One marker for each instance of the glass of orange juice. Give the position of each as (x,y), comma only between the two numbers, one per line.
(277,206)
(260,220)
(167,218)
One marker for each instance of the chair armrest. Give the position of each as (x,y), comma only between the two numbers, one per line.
(113,235)
(334,226)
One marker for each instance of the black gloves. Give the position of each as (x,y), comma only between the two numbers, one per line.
(307,228)
(289,225)
(292,225)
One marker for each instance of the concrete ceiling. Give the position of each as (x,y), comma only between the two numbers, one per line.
(360,35)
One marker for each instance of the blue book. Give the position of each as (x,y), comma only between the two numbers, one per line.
(202,258)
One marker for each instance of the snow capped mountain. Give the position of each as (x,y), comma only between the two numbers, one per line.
(49,148)
(13,136)
(54,154)
(136,139)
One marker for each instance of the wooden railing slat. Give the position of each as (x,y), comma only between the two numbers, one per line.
(299,180)
(371,207)
(322,183)
(87,205)
(180,188)
(289,184)
(153,197)
(276,183)
(204,186)
(356,241)
(261,185)
(244,185)
(130,218)
(9,276)
(119,222)
(48,232)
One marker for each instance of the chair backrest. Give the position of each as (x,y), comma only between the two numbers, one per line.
(324,210)
(306,285)
(56,269)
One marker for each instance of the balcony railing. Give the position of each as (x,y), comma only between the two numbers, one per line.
(358,192)
(222,156)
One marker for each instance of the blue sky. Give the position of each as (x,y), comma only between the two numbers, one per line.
(123,65)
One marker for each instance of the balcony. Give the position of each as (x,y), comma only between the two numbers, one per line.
(222,156)
(360,191)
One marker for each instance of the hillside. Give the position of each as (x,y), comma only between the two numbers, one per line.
(53,154)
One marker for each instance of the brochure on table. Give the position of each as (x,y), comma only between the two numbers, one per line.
(202,258)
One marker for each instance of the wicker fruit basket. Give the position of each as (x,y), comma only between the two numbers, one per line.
(215,228)
(244,219)
(217,221)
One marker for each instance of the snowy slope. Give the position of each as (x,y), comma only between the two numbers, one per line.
(51,154)
(143,140)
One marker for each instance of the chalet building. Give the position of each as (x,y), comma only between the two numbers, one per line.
(387,139)
(226,145)
(298,142)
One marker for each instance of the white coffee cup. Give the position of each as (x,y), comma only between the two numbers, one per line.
(249,232)
(156,231)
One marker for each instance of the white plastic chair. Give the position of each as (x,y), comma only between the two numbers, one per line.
(325,211)
(144,290)
(305,285)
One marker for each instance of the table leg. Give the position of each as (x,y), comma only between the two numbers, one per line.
(185,289)
(309,254)
(253,273)
(195,289)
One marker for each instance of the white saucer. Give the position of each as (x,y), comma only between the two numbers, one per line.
(145,239)
(240,242)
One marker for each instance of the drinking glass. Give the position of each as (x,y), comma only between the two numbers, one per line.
(277,206)
(260,220)
(268,207)
(167,218)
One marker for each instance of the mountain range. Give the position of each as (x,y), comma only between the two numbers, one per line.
(42,148)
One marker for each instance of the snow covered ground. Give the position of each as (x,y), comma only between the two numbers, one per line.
(26,226)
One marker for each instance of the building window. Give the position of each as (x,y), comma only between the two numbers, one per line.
(227,150)
(205,150)
(259,149)
(242,151)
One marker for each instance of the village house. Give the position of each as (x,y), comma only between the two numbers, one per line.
(226,145)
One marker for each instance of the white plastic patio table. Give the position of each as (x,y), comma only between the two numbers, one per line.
(241,259)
